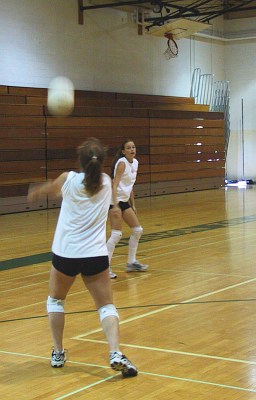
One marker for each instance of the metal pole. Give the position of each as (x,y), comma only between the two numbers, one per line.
(242,122)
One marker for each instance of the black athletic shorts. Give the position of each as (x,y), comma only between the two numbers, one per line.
(85,266)
(124,205)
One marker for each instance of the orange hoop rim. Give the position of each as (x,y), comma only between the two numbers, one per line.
(174,50)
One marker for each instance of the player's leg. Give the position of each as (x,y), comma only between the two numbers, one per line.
(100,288)
(59,286)
(115,236)
(132,221)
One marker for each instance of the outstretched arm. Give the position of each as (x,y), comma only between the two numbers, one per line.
(52,188)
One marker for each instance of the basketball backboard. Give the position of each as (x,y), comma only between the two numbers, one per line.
(179,28)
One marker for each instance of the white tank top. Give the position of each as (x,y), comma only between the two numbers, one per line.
(81,227)
(127,180)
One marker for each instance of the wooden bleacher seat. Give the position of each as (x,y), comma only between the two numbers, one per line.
(180,145)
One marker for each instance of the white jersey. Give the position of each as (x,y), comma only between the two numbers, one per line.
(81,227)
(127,180)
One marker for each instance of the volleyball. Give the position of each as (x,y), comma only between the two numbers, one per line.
(61,96)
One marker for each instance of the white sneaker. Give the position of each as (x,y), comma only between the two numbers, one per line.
(112,275)
(119,362)
(58,359)
(136,266)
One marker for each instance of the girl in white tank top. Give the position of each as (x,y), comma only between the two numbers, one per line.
(79,248)
(124,172)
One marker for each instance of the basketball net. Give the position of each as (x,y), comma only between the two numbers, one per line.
(172,50)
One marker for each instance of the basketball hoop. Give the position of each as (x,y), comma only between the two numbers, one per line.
(172,50)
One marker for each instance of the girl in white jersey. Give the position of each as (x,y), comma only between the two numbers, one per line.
(124,172)
(79,247)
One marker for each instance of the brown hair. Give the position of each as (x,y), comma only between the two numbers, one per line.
(118,155)
(91,156)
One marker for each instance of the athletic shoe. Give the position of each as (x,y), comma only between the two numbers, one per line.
(58,358)
(119,362)
(112,275)
(136,266)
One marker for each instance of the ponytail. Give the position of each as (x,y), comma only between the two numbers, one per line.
(93,177)
(91,156)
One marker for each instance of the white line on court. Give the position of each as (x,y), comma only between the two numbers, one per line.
(25,286)
(183,353)
(170,306)
(140,373)
(84,388)
(69,295)
(197,239)
(182,249)
(187,248)
(162,254)
(22,277)
(114,283)
(48,359)
(198,381)
(199,272)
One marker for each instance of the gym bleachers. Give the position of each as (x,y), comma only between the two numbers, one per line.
(180,144)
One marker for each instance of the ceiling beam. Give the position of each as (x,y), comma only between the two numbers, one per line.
(117,4)
(228,9)
(200,10)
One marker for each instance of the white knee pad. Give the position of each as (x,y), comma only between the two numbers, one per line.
(137,232)
(55,305)
(107,311)
(115,236)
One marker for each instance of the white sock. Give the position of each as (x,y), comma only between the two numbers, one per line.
(112,242)
(133,243)
(133,246)
(112,353)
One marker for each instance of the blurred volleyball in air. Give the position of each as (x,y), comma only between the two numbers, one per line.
(61,96)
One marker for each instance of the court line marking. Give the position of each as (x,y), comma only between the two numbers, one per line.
(12,353)
(199,381)
(207,302)
(157,247)
(140,373)
(201,228)
(114,283)
(168,307)
(20,277)
(158,255)
(154,256)
(190,248)
(197,239)
(70,295)
(150,257)
(187,248)
(65,396)
(25,286)
(182,353)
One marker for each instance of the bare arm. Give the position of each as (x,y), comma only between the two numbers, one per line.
(52,188)
(119,172)
(132,201)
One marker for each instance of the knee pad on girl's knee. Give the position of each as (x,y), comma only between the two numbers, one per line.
(115,236)
(55,305)
(137,232)
(109,310)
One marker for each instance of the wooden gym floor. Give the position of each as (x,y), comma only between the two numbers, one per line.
(189,323)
